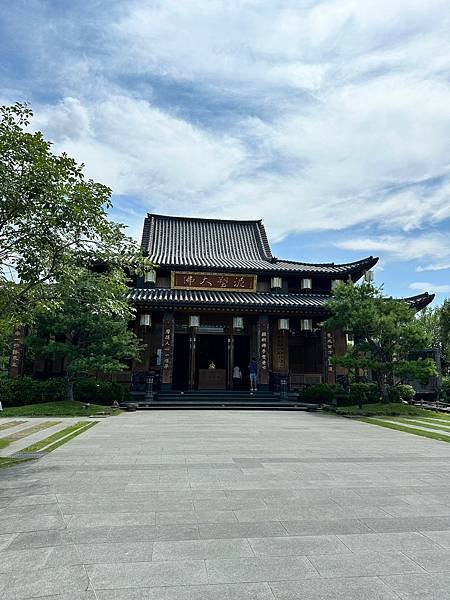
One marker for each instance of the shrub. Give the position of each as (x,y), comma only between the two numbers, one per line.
(363,393)
(321,393)
(401,392)
(96,391)
(26,390)
(445,390)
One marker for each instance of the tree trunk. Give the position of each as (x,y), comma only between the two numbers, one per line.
(69,389)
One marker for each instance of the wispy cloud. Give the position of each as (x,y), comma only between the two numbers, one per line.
(321,115)
(423,286)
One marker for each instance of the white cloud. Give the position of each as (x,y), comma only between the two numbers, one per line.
(434,246)
(434,267)
(137,149)
(423,286)
(341,118)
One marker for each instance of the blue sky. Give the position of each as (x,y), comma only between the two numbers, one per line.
(329,120)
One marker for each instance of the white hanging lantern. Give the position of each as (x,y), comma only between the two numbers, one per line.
(238,323)
(146,320)
(194,321)
(368,276)
(306,324)
(283,324)
(276,283)
(306,284)
(150,277)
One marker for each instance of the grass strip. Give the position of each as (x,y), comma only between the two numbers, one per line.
(19,435)
(380,409)
(68,433)
(4,443)
(420,432)
(64,408)
(422,423)
(10,424)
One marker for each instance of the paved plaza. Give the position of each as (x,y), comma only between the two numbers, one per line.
(229,505)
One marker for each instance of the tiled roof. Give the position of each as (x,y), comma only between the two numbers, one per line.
(420,301)
(251,300)
(164,297)
(226,245)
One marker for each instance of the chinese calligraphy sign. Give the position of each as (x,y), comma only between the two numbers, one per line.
(213,281)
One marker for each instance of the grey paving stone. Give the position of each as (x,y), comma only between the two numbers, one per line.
(433,561)
(324,527)
(259,569)
(147,574)
(17,560)
(365,564)
(420,586)
(355,588)
(381,542)
(439,537)
(115,552)
(241,530)
(45,582)
(407,524)
(6,540)
(244,591)
(40,539)
(111,519)
(37,523)
(89,535)
(186,517)
(297,545)
(201,549)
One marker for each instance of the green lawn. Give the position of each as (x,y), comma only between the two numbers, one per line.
(4,443)
(56,409)
(389,410)
(400,427)
(74,430)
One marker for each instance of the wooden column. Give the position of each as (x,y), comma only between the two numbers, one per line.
(168,335)
(263,337)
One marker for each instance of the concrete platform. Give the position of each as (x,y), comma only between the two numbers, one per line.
(206,505)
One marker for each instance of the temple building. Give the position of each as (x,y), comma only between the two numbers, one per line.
(219,299)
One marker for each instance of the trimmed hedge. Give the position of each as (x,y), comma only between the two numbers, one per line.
(402,391)
(320,393)
(100,392)
(26,390)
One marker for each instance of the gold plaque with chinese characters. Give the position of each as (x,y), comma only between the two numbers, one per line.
(226,282)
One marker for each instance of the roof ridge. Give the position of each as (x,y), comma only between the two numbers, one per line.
(209,219)
(330,264)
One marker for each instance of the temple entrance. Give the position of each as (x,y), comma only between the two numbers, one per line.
(242,360)
(181,356)
(211,349)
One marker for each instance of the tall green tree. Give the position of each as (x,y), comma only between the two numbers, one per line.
(385,331)
(51,219)
(436,321)
(87,330)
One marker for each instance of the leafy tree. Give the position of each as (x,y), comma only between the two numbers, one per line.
(385,331)
(51,218)
(436,321)
(88,328)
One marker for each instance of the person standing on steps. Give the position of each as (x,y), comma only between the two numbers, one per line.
(253,372)
(237,378)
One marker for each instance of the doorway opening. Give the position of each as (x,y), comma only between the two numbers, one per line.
(181,354)
(210,348)
(242,359)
